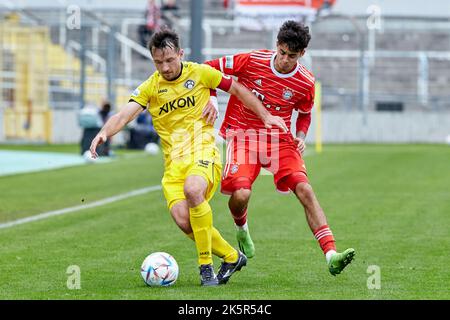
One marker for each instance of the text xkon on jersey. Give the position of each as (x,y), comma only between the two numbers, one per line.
(177,103)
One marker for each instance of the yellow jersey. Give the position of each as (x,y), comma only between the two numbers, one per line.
(176,107)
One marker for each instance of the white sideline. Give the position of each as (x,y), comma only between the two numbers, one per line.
(98,203)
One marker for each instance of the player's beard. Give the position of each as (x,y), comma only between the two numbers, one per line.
(170,76)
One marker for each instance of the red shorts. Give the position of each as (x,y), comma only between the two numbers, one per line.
(244,161)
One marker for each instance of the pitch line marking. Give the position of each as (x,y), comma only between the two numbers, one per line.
(94,204)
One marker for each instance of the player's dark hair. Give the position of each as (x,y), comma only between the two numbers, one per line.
(295,35)
(164,38)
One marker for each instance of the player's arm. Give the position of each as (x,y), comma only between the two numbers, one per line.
(115,124)
(229,65)
(251,102)
(304,119)
(301,128)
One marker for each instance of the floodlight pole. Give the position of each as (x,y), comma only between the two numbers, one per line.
(196,39)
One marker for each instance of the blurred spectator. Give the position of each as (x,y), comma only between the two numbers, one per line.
(105,111)
(170,13)
(91,119)
(142,132)
(105,114)
(325,9)
(152,22)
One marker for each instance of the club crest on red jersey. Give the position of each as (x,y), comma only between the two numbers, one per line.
(287,94)
(234,168)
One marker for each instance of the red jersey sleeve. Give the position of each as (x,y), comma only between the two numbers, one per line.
(303,123)
(230,65)
(304,112)
(213,63)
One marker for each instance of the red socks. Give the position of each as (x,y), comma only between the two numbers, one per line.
(240,218)
(325,238)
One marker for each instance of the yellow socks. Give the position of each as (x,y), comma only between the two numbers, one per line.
(220,247)
(201,223)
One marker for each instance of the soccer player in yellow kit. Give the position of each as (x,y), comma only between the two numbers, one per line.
(175,96)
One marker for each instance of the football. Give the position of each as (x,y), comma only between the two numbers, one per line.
(159,269)
(152,148)
(88,157)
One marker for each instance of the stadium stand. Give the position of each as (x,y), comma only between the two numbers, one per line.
(40,74)
(406,62)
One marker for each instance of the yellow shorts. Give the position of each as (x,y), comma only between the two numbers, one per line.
(177,172)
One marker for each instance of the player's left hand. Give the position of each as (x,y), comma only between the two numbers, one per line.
(301,145)
(210,113)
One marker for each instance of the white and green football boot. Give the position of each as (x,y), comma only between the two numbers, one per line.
(339,261)
(245,242)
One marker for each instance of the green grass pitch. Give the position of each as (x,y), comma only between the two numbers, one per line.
(390,202)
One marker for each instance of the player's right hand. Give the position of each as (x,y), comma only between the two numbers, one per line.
(271,121)
(98,140)
(301,145)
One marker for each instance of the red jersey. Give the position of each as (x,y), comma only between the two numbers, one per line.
(279,93)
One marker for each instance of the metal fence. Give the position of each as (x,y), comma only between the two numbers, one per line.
(395,64)
(24,82)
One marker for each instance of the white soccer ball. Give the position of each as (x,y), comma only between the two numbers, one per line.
(159,269)
(152,148)
(88,157)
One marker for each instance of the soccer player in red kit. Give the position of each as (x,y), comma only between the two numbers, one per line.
(284,86)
